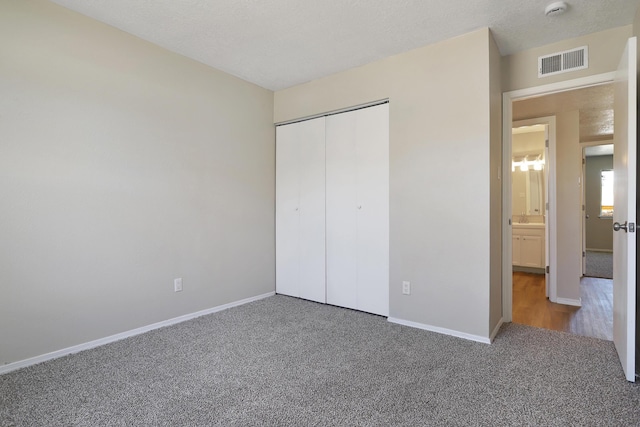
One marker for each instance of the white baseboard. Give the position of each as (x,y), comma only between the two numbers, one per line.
(495,330)
(444,331)
(117,337)
(569,301)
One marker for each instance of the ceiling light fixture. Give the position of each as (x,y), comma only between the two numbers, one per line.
(524,164)
(556,8)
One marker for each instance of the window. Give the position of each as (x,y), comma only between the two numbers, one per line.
(606,194)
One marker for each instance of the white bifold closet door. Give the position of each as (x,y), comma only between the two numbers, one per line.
(300,210)
(357,215)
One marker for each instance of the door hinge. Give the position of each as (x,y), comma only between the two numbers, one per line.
(548,270)
(583,207)
(509,221)
(546,143)
(584,254)
(547,206)
(583,161)
(632,227)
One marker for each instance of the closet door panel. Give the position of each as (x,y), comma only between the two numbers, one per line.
(300,224)
(372,146)
(312,212)
(287,194)
(341,211)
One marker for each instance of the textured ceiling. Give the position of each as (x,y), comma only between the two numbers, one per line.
(281,43)
(595,106)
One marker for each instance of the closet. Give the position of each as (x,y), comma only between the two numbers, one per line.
(349,153)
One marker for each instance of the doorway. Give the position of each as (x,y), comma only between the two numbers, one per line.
(584,305)
(571,308)
(530,152)
(597,242)
(625,317)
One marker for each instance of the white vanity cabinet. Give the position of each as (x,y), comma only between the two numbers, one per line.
(528,245)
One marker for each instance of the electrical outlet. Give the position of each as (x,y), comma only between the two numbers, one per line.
(406,288)
(177,285)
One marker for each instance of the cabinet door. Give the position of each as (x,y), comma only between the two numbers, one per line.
(358,209)
(300,203)
(516,250)
(531,251)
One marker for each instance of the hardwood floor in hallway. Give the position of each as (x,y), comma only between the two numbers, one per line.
(593,319)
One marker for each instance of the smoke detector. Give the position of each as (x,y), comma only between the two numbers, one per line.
(556,8)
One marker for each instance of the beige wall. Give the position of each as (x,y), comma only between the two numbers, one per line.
(527,143)
(122,167)
(520,70)
(440,226)
(599,230)
(495,91)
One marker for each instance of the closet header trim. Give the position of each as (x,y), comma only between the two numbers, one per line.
(331,113)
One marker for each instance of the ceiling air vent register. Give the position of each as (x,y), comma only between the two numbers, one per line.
(562,62)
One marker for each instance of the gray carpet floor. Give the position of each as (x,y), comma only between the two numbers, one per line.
(283,361)
(599,264)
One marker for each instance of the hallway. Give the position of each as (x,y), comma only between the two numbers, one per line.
(593,319)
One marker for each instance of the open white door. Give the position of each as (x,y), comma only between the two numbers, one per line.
(584,216)
(624,216)
(547,255)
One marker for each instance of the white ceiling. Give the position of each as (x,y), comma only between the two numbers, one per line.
(281,43)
